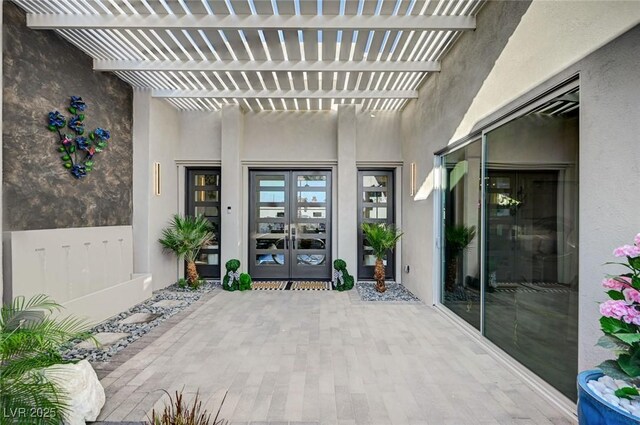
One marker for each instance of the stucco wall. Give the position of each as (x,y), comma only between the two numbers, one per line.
(496,64)
(165,137)
(378,137)
(429,123)
(41,72)
(290,136)
(200,136)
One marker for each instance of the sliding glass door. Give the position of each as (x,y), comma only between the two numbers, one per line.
(509,231)
(461,227)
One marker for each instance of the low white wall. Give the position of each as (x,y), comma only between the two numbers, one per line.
(88,270)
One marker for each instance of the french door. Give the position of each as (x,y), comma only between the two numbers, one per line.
(203,198)
(290,224)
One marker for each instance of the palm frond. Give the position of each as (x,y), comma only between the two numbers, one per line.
(30,340)
(381,237)
(459,237)
(186,235)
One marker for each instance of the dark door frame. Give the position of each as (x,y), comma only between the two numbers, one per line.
(366,272)
(288,246)
(204,270)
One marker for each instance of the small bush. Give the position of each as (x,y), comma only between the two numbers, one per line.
(182,283)
(245,282)
(343,280)
(230,280)
(179,412)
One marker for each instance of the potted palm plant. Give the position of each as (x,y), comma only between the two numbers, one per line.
(458,239)
(381,238)
(184,237)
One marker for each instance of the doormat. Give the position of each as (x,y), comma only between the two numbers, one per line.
(269,285)
(311,286)
(284,285)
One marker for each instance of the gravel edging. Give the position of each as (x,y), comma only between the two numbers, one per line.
(137,330)
(395,293)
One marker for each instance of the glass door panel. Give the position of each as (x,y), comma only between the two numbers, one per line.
(311,226)
(531,305)
(290,225)
(375,205)
(461,196)
(269,232)
(203,198)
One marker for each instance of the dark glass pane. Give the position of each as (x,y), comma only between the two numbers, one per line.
(207,211)
(270,212)
(271,227)
(374,181)
(313,197)
(461,247)
(310,243)
(271,196)
(207,180)
(311,260)
(377,197)
(374,212)
(312,181)
(531,307)
(207,196)
(312,212)
(312,228)
(275,259)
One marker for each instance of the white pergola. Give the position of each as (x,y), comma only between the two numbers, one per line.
(263,54)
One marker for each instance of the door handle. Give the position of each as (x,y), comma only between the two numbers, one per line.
(286,242)
(293,241)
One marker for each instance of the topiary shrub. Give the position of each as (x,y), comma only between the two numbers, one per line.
(245,282)
(231,279)
(343,280)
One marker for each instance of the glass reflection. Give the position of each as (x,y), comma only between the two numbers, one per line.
(461,214)
(532,243)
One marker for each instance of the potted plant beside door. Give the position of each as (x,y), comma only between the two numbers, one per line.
(381,238)
(184,237)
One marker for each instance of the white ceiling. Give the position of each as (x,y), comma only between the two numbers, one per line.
(264,54)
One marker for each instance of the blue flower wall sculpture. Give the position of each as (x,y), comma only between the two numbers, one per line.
(77,150)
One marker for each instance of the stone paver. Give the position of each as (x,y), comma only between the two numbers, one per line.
(168,304)
(139,318)
(103,339)
(321,358)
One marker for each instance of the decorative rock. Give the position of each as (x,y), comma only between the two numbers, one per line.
(612,399)
(103,338)
(139,318)
(609,382)
(168,304)
(595,389)
(394,292)
(80,383)
(114,325)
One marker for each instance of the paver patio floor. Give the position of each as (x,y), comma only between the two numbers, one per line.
(323,358)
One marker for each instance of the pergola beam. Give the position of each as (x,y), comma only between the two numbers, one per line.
(255,22)
(267,66)
(287,94)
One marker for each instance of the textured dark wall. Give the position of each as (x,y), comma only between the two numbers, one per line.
(41,72)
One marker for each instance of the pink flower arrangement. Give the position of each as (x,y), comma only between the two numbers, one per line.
(620,319)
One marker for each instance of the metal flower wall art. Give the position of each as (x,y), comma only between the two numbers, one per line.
(79,149)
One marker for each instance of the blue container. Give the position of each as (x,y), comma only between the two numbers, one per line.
(592,410)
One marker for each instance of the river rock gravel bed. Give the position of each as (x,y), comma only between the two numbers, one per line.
(394,292)
(605,388)
(136,330)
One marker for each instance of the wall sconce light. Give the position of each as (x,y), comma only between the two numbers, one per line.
(414,177)
(156,178)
